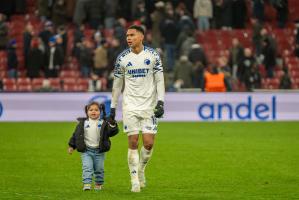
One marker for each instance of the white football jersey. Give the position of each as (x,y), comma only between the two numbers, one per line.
(138,72)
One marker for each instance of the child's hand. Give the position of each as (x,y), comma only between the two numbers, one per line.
(70,150)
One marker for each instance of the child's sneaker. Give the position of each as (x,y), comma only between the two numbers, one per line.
(98,187)
(86,187)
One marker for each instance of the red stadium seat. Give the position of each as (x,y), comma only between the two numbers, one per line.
(70,87)
(55,83)
(37,83)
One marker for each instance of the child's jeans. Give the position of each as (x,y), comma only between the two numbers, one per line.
(92,163)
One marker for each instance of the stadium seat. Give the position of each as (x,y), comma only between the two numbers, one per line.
(21,81)
(70,87)
(69,74)
(55,83)
(24,87)
(83,84)
(37,83)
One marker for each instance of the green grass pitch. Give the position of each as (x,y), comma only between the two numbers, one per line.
(209,161)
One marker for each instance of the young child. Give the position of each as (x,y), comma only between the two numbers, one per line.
(91,138)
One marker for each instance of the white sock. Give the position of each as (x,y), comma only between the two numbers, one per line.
(145,156)
(133,160)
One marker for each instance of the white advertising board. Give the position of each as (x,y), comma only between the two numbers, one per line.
(178,106)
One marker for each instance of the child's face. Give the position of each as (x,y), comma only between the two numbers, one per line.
(93,112)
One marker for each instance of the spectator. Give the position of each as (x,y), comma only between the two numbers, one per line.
(183,73)
(78,37)
(63,38)
(246,64)
(97,36)
(203,12)
(198,76)
(236,55)
(120,31)
(226,70)
(47,33)
(169,33)
(157,17)
(239,14)
(197,54)
(7,7)
(54,59)
(35,60)
(269,57)
(60,45)
(185,21)
(256,36)
(282,9)
(140,12)
(214,81)
(285,80)
(95,13)
(59,13)
(3,32)
(20,6)
(27,36)
(258,10)
(110,13)
(254,79)
(12,59)
(187,43)
(44,9)
(86,59)
(101,59)
(81,11)
(227,20)
(217,13)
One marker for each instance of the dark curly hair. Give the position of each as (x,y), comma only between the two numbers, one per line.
(100,106)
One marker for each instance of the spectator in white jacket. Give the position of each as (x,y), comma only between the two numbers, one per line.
(202,12)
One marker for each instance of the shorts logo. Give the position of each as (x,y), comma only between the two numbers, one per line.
(126,127)
(147,61)
(148,128)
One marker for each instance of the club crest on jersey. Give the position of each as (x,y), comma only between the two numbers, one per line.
(147,61)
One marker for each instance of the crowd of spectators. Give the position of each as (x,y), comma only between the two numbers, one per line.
(172,28)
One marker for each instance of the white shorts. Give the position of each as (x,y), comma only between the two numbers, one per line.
(136,121)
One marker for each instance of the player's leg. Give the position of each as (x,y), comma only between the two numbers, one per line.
(145,155)
(149,129)
(131,127)
(133,160)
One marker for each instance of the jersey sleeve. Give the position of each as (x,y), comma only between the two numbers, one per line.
(159,77)
(158,63)
(117,82)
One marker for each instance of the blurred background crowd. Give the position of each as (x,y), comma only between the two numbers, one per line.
(207,45)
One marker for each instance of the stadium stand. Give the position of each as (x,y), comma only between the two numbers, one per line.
(215,43)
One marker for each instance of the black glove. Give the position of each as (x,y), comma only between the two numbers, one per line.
(159,109)
(111,119)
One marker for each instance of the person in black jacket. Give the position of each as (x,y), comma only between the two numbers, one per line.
(91,138)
